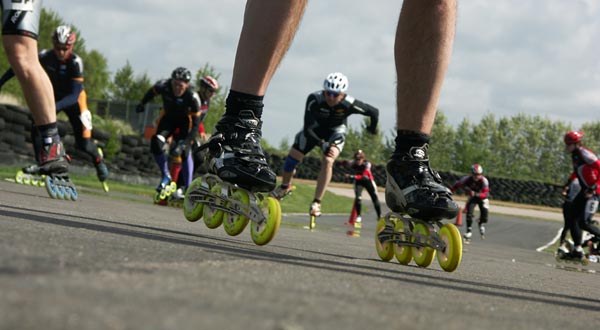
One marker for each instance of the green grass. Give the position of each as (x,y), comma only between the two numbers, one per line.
(298,202)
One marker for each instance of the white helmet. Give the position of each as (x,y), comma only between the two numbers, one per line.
(336,82)
(64,36)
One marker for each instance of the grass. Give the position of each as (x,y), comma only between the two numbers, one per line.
(298,202)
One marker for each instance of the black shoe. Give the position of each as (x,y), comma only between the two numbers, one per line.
(53,159)
(236,156)
(414,188)
(101,171)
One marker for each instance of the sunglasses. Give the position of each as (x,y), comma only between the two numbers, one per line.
(332,94)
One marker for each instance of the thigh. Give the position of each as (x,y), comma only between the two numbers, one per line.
(304,143)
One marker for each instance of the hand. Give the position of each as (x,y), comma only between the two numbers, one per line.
(140,108)
(179,148)
(471,193)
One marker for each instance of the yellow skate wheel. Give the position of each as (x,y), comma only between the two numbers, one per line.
(42,182)
(450,257)
(35,181)
(385,250)
(192,209)
(27,179)
(19,177)
(263,233)
(423,255)
(403,253)
(105,186)
(232,223)
(213,218)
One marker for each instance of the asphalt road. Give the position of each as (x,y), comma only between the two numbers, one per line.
(102,263)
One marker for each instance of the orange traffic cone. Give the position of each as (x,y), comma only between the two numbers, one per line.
(353,214)
(459,218)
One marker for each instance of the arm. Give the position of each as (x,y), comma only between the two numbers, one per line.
(72,97)
(485,189)
(6,77)
(369,111)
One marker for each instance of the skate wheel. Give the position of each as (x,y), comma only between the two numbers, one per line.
(232,223)
(192,209)
(51,187)
(450,257)
(263,233)
(423,255)
(42,182)
(74,193)
(19,177)
(385,250)
(35,181)
(105,186)
(213,218)
(403,253)
(60,189)
(312,222)
(27,179)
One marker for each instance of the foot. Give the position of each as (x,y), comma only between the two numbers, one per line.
(315,209)
(236,155)
(101,171)
(280,192)
(53,159)
(468,235)
(414,188)
(179,194)
(164,182)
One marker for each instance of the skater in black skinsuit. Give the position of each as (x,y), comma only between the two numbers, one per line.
(65,70)
(181,110)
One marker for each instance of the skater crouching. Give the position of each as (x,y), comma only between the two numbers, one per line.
(363,178)
(181,110)
(478,189)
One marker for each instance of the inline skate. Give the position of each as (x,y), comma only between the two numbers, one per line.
(219,202)
(415,239)
(55,167)
(102,170)
(30,175)
(165,188)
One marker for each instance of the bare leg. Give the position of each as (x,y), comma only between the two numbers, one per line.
(326,172)
(269,27)
(424,40)
(22,55)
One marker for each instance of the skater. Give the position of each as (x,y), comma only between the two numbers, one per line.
(181,109)
(325,120)
(20,25)
(478,189)
(421,64)
(208,88)
(363,177)
(65,69)
(570,191)
(586,168)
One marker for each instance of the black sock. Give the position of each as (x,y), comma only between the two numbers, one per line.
(49,133)
(237,101)
(405,140)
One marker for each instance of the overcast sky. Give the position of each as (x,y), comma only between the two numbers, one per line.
(510,56)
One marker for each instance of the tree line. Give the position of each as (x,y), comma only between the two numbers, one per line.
(522,147)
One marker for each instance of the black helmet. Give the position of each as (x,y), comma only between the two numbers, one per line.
(182,74)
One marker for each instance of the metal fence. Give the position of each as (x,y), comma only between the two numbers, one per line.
(125,111)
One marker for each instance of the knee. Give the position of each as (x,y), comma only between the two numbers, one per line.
(157,143)
(290,164)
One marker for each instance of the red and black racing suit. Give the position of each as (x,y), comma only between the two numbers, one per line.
(363,177)
(586,168)
(323,123)
(479,191)
(181,114)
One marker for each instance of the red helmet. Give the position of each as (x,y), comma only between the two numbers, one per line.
(573,137)
(210,82)
(476,169)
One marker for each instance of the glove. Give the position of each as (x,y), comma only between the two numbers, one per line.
(179,148)
(139,108)
(372,130)
(325,147)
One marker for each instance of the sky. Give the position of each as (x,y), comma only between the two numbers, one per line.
(539,57)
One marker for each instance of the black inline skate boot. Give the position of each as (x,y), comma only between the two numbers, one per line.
(101,170)
(415,189)
(53,159)
(33,169)
(235,153)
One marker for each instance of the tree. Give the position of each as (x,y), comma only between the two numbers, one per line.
(127,87)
